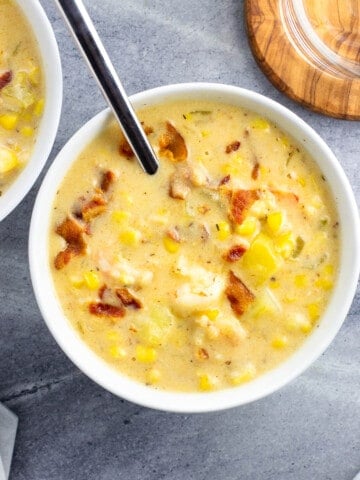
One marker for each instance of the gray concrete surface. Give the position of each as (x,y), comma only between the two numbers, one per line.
(70,428)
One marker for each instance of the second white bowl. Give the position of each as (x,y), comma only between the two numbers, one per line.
(51,65)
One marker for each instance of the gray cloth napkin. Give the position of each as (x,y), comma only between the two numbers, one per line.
(8,426)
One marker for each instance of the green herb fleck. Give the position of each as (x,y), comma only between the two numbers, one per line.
(201,112)
(16,49)
(298,247)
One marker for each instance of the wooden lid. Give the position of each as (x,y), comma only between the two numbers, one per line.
(310,50)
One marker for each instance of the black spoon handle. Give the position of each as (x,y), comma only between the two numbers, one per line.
(84,32)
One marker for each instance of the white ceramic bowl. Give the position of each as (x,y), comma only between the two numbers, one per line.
(330,323)
(51,65)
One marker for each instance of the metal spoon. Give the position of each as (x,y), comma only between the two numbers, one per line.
(89,42)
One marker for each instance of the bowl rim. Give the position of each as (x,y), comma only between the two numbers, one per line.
(122,386)
(51,65)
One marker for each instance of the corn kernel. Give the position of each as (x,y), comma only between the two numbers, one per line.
(170,245)
(247,227)
(77,281)
(205,383)
(153,376)
(126,197)
(261,258)
(9,120)
(285,244)
(223,230)
(316,201)
(120,216)
(313,311)
(211,314)
(34,75)
(162,211)
(289,299)
(237,158)
(297,322)
(236,165)
(125,278)
(92,280)
(27,131)
(324,283)
(130,237)
(328,269)
(263,171)
(8,160)
(275,221)
(113,336)
(301,281)
(117,352)
(301,181)
(39,107)
(306,327)
(285,141)
(205,133)
(279,342)
(229,169)
(260,124)
(145,354)
(26,117)
(247,374)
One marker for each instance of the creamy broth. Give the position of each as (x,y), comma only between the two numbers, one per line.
(207,274)
(21,92)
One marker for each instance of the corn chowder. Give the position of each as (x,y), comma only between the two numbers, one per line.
(21,92)
(208,274)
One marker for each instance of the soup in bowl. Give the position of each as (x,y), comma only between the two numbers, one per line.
(30,97)
(217,280)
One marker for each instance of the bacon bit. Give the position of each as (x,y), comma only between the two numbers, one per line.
(174,234)
(285,196)
(106,310)
(63,258)
(5,78)
(235,253)
(128,298)
(172,144)
(108,178)
(255,171)
(72,232)
(108,295)
(93,208)
(148,130)
(239,296)
(240,202)
(232,147)
(102,291)
(202,354)
(125,149)
(224,180)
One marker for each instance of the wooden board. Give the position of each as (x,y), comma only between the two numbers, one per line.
(324,76)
